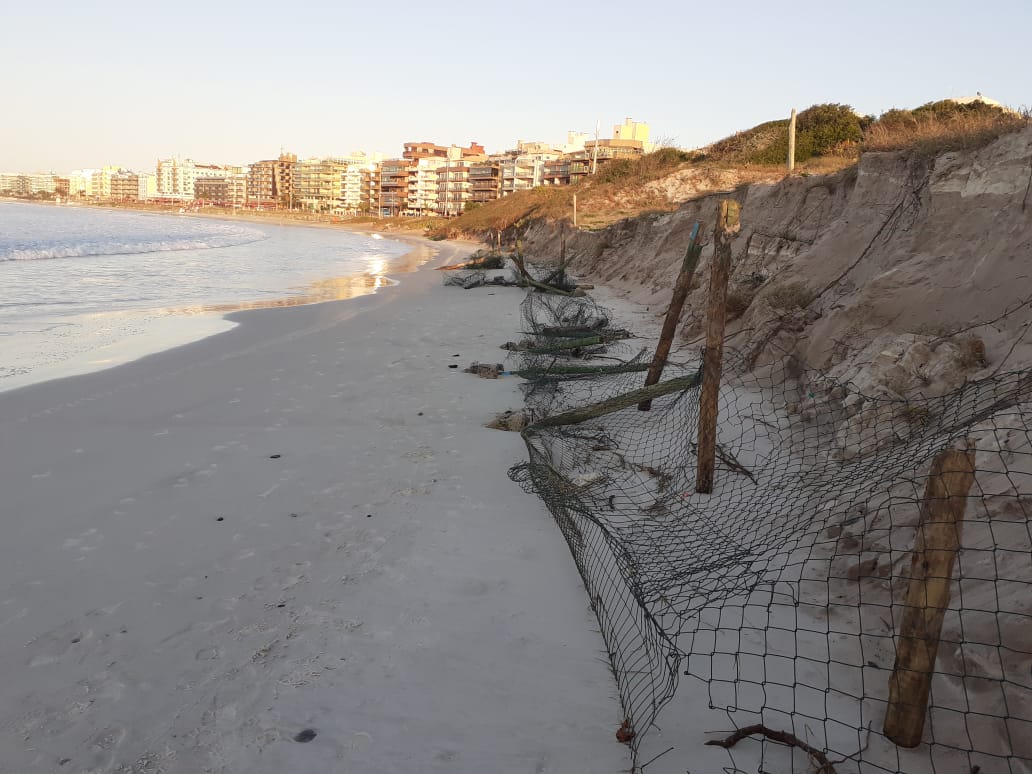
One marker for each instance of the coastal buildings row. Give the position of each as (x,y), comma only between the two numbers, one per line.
(107,183)
(427,179)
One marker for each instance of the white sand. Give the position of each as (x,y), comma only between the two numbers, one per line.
(380,582)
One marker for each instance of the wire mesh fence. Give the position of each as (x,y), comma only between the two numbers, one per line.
(786,588)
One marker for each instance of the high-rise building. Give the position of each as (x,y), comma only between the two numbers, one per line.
(485,181)
(176,177)
(270,183)
(393,188)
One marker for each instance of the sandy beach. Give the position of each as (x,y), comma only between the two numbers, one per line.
(293,547)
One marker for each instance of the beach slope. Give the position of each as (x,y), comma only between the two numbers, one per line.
(293,547)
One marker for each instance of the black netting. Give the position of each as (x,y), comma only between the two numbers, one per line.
(783,589)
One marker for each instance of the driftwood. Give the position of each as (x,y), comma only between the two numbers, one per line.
(526,279)
(478,261)
(573,330)
(620,402)
(584,341)
(733,464)
(530,281)
(824,765)
(561,372)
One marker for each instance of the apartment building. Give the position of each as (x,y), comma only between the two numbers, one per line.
(423,150)
(124,186)
(393,187)
(236,190)
(633,130)
(354,196)
(80,183)
(270,182)
(228,191)
(453,188)
(422,185)
(485,181)
(319,183)
(369,196)
(9,182)
(523,172)
(176,178)
(556,172)
(603,151)
(18,184)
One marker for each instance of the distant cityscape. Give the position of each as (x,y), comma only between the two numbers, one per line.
(427,179)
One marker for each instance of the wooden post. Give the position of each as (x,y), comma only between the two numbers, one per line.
(928,594)
(561,272)
(673,315)
(575,210)
(791,141)
(727,227)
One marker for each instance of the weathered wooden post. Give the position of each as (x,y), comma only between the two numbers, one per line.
(928,594)
(727,227)
(575,210)
(791,141)
(673,315)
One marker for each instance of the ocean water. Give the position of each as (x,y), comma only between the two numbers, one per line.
(83,289)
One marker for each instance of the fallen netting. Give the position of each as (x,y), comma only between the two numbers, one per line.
(784,588)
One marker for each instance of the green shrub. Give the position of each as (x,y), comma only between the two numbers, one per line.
(820,131)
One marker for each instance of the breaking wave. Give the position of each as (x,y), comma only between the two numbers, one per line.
(78,249)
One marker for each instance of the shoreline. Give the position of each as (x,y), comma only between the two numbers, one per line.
(198,322)
(296,530)
(383,226)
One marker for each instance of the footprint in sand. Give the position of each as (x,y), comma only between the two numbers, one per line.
(104,745)
(54,646)
(361,742)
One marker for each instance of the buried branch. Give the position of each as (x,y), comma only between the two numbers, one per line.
(824,766)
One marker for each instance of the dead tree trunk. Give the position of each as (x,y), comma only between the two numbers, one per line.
(619,402)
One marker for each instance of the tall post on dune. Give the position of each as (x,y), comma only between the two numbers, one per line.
(791,140)
(936,543)
(673,315)
(728,226)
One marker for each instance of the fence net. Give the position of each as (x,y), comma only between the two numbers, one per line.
(784,588)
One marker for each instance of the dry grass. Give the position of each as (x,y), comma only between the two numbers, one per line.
(629,188)
(931,130)
(972,353)
(546,202)
(791,295)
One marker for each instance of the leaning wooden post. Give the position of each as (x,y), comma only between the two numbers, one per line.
(561,278)
(791,141)
(928,594)
(727,227)
(673,315)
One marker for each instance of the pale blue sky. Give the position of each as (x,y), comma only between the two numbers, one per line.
(98,82)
